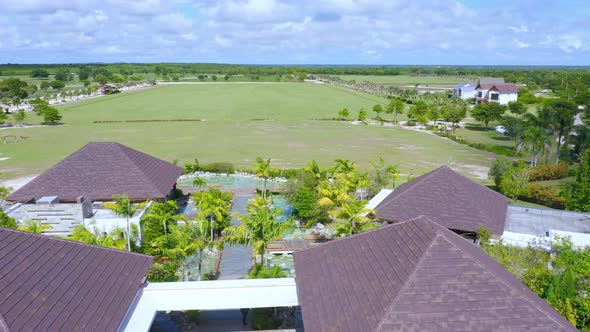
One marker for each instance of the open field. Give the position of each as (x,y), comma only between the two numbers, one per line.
(239,122)
(408,79)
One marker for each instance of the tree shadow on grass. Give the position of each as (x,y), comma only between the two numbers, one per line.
(501,138)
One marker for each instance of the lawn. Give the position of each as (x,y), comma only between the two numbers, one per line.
(408,79)
(239,122)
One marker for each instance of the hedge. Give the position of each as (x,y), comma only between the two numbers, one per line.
(549,172)
(539,194)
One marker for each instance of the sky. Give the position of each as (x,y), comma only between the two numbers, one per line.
(418,32)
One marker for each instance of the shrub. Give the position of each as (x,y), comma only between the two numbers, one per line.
(163,272)
(499,167)
(549,172)
(536,193)
(262,319)
(219,167)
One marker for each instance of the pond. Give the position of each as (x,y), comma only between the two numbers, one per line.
(207,265)
(236,180)
(285,261)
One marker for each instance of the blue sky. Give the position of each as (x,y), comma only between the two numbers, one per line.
(476,32)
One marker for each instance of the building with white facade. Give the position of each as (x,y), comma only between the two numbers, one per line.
(464,91)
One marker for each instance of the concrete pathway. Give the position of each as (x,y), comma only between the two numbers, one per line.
(236,260)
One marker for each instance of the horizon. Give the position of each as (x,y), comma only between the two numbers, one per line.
(278,32)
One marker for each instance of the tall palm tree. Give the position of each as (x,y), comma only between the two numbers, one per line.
(212,207)
(34,226)
(183,242)
(260,227)
(263,170)
(344,166)
(313,168)
(534,140)
(163,214)
(393,171)
(123,207)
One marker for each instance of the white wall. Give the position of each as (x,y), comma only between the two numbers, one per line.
(506,98)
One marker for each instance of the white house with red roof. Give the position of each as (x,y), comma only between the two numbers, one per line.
(490,89)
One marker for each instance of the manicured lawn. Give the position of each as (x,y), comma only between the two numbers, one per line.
(240,122)
(407,79)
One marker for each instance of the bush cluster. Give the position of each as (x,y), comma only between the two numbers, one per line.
(225,167)
(545,172)
(539,194)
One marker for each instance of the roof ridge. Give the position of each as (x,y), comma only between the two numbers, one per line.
(406,281)
(3,325)
(476,261)
(73,241)
(124,149)
(416,181)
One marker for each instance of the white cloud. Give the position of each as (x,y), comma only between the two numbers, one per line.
(569,43)
(521,44)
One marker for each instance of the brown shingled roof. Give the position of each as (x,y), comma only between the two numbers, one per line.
(50,284)
(505,88)
(100,170)
(454,200)
(414,276)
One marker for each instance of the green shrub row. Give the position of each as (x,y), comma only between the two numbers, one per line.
(214,167)
(480,146)
(547,196)
(545,172)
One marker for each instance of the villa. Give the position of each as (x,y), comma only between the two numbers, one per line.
(453,200)
(50,284)
(414,276)
(464,91)
(487,89)
(72,191)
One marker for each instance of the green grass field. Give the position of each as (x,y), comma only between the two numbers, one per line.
(407,79)
(240,122)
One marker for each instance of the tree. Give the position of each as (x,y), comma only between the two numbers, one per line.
(183,242)
(199,182)
(419,111)
(123,207)
(6,221)
(50,115)
(513,125)
(353,213)
(378,109)
(561,115)
(34,226)
(362,115)
(343,114)
(57,84)
(38,72)
(214,206)
(226,77)
(62,75)
(393,171)
(162,213)
(499,167)
(44,85)
(514,181)
(259,227)
(3,117)
(19,117)
(578,192)
(395,107)
(263,170)
(4,192)
(516,107)
(101,78)
(13,87)
(487,112)
(535,141)
(483,235)
(453,114)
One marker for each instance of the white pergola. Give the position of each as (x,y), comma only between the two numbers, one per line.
(207,295)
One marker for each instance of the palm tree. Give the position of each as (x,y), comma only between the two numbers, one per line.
(115,239)
(4,192)
(183,242)
(163,214)
(199,182)
(123,207)
(353,212)
(344,166)
(313,168)
(393,171)
(213,207)
(259,227)
(535,141)
(263,170)
(34,226)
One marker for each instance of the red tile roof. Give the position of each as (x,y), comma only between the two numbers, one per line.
(100,170)
(50,284)
(414,276)
(454,200)
(505,88)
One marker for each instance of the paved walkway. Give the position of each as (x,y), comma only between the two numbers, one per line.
(236,260)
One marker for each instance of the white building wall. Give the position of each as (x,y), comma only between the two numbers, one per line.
(506,98)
